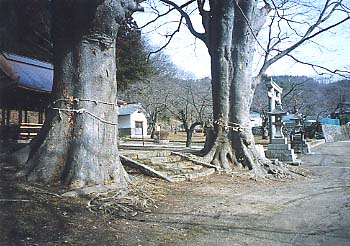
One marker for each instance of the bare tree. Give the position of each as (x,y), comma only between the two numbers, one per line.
(78,143)
(153,94)
(231,36)
(190,103)
(293,90)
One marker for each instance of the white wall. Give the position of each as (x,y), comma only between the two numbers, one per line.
(128,121)
(255,122)
(139,117)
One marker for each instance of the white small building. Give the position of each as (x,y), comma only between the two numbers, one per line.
(132,121)
(255,119)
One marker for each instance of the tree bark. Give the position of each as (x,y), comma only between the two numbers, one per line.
(153,123)
(78,143)
(219,43)
(243,86)
(231,48)
(189,133)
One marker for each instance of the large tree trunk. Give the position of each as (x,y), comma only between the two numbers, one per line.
(78,144)
(232,144)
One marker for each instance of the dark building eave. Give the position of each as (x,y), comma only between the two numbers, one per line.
(25,83)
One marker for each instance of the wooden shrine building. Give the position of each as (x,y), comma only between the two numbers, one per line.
(25,88)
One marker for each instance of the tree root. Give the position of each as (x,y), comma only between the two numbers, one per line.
(144,168)
(39,191)
(93,190)
(222,156)
(194,160)
(140,197)
(281,171)
(245,155)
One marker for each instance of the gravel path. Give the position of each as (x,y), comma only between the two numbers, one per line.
(223,211)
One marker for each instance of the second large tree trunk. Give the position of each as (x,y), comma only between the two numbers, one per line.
(232,144)
(218,149)
(243,86)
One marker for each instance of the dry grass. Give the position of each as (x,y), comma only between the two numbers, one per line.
(142,195)
(181,137)
(197,138)
(200,138)
(259,140)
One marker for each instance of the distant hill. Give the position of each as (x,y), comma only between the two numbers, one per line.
(306,94)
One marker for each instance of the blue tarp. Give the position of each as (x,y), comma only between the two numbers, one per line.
(329,121)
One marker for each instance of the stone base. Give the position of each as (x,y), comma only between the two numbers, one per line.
(296,163)
(281,150)
(279,141)
(300,145)
(306,148)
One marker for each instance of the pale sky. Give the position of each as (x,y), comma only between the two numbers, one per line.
(191,55)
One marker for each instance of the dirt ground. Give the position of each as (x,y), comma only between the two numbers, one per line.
(217,210)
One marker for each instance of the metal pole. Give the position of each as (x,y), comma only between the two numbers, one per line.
(302,141)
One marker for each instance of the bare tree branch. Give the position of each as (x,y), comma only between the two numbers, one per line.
(165,13)
(171,36)
(310,32)
(189,24)
(293,88)
(342,73)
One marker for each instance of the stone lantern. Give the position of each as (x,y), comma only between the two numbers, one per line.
(297,138)
(278,112)
(279,147)
(297,120)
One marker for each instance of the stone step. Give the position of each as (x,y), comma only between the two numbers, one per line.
(282,155)
(279,141)
(279,147)
(176,167)
(139,155)
(164,159)
(183,167)
(194,175)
